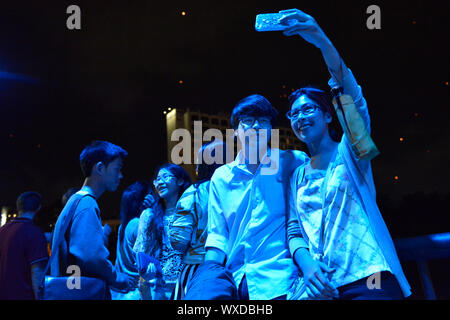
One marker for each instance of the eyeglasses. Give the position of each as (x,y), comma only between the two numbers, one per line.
(250,122)
(305,110)
(163,178)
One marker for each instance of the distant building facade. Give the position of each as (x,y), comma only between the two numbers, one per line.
(184,119)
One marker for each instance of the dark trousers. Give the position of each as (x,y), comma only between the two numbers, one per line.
(358,290)
(211,281)
(243,291)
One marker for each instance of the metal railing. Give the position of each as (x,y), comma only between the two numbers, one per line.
(421,249)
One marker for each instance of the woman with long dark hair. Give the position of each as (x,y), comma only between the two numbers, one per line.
(188,233)
(159,277)
(338,237)
(131,207)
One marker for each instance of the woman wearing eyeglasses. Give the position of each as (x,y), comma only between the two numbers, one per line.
(159,277)
(337,235)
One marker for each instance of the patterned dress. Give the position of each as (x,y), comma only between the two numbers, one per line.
(341,225)
(169,258)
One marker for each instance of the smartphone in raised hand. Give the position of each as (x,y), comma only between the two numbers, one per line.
(269,22)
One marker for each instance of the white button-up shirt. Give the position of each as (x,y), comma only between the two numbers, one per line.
(247,221)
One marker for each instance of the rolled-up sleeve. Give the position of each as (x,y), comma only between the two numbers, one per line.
(345,78)
(294,234)
(217,223)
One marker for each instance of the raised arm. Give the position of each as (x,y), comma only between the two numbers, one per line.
(304,25)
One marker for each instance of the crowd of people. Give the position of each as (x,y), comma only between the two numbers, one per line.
(310,229)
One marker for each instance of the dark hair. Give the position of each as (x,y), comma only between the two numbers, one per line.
(253,106)
(28,201)
(204,170)
(157,223)
(323,100)
(99,151)
(68,194)
(179,173)
(131,204)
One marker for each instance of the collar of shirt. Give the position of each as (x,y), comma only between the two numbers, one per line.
(270,159)
(87,190)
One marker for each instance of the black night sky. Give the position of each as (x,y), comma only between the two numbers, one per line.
(112,79)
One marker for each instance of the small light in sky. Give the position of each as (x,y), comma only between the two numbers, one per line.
(169,109)
(401,139)
(180,82)
(164,112)
(414,22)
(396,178)
(183,13)
(446,83)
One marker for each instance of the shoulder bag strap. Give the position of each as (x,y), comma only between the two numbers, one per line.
(67,219)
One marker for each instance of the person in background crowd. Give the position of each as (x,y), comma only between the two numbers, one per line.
(158,277)
(23,252)
(247,256)
(83,244)
(131,208)
(337,235)
(188,233)
(66,196)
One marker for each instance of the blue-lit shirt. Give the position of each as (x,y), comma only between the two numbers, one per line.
(349,245)
(247,221)
(356,177)
(188,232)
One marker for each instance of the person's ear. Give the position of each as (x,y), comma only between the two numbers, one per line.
(179,182)
(99,168)
(328,117)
